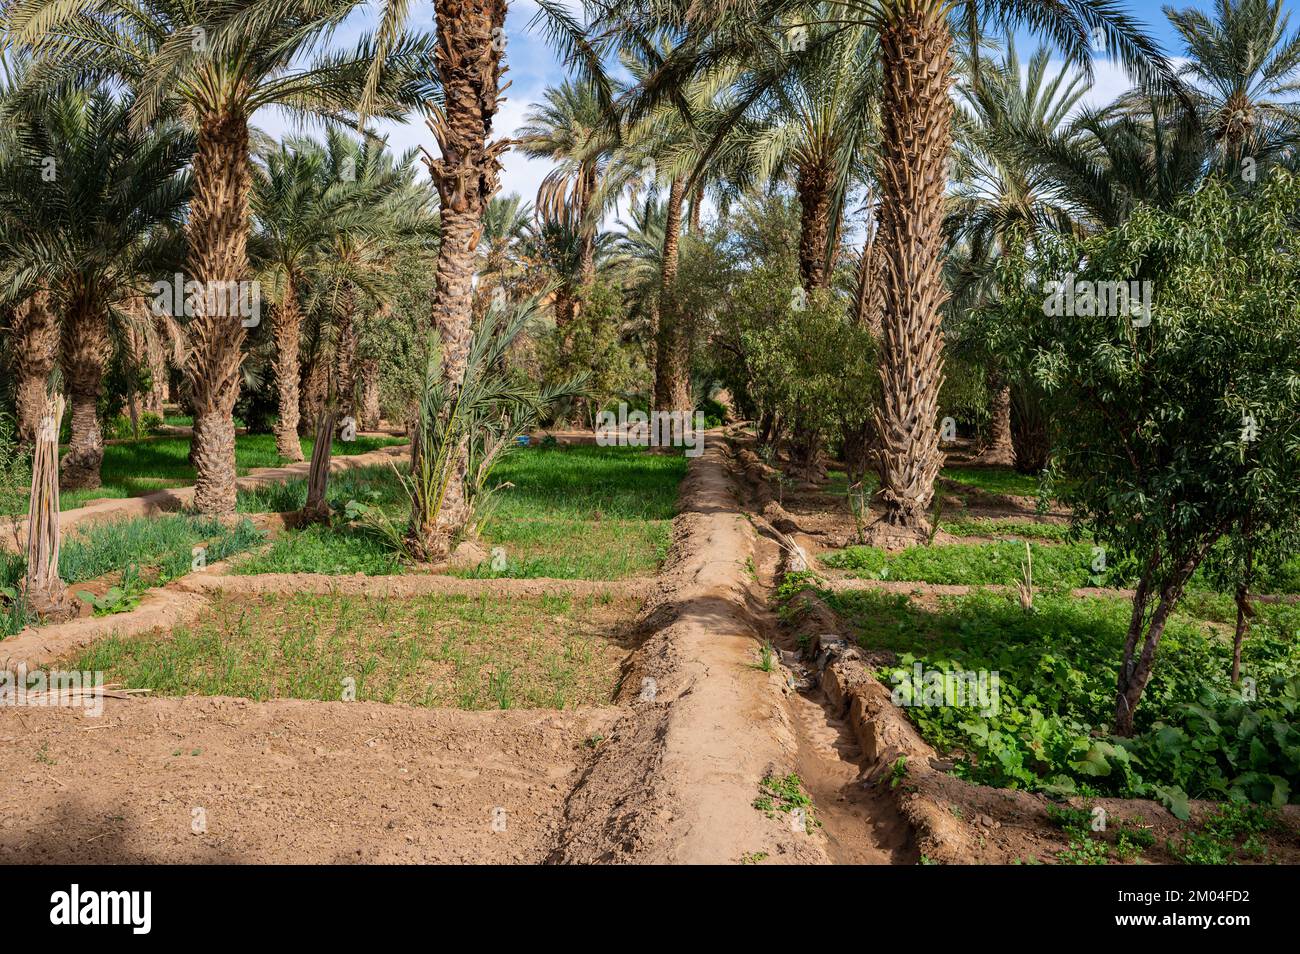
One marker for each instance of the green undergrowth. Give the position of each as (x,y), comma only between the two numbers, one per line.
(133,468)
(488,652)
(565,512)
(1043,723)
(1003,563)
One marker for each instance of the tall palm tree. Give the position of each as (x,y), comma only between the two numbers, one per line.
(469,63)
(387,214)
(572,128)
(214,63)
(90,209)
(1244,69)
(813,122)
(916,38)
(672,140)
(294,212)
(1005,196)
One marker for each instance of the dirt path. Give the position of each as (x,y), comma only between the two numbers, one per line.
(860,822)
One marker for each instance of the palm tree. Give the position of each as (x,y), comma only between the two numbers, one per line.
(89,213)
(1244,70)
(813,122)
(468,60)
(673,140)
(572,128)
(34,340)
(1004,195)
(293,216)
(214,63)
(385,213)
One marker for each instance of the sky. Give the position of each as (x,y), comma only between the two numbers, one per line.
(532,67)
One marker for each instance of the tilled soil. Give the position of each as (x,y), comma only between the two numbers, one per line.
(286,781)
(668,775)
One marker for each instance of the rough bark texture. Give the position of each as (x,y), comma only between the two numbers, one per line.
(345,362)
(469,64)
(85,349)
(317,508)
(35,342)
(1000,450)
(218,235)
(815,185)
(288,337)
(859,436)
(156,355)
(587,253)
(916,114)
(672,339)
(43,590)
(370,412)
(311,403)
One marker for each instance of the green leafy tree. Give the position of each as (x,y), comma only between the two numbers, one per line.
(1178,425)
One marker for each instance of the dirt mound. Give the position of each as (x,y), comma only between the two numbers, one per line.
(677,779)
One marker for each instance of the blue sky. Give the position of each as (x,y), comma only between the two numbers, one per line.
(532,67)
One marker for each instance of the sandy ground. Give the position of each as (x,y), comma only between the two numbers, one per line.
(286,781)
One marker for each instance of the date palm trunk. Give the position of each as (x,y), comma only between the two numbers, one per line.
(1000,450)
(44,592)
(468,58)
(815,187)
(672,338)
(311,404)
(288,338)
(916,114)
(218,236)
(370,411)
(859,434)
(345,361)
(35,342)
(156,355)
(85,349)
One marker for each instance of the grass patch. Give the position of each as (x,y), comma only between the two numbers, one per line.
(994,480)
(141,467)
(487,652)
(979,564)
(318,549)
(165,542)
(377,485)
(1047,728)
(1015,529)
(566,512)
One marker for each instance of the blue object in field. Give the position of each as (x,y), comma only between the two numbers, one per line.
(522,440)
